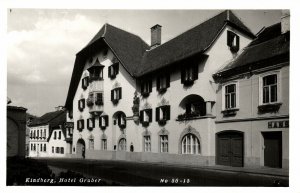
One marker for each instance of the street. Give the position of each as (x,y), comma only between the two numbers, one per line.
(149,174)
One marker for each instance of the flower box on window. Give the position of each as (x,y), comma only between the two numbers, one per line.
(230,112)
(272,107)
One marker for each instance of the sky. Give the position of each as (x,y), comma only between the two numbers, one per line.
(42,44)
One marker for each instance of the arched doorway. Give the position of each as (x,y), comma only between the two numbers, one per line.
(230,148)
(122,144)
(80,148)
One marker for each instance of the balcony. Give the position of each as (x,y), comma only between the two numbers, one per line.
(96,110)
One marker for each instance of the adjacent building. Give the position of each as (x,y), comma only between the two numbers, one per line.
(252,112)
(47,135)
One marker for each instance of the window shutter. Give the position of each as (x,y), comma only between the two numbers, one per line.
(109,71)
(168,112)
(229,38)
(93,122)
(195,71)
(79,105)
(116,68)
(157,114)
(88,123)
(150,115)
(168,80)
(150,85)
(157,83)
(82,83)
(119,119)
(83,103)
(142,116)
(112,95)
(182,75)
(120,93)
(106,120)
(125,122)
(237,43)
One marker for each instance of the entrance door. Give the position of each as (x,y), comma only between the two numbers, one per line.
(273,149)
(230,148)
(80,148)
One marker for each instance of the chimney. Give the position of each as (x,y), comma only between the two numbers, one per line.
(59,108)
(155,36)
(285,21)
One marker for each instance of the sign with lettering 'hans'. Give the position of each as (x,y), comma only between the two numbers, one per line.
(278,124)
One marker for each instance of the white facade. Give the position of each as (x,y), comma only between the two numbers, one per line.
(38,144)
(57,144)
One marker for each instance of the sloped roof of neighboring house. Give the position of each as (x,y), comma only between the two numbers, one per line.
(191,42)
(52,118)
(131,49)
(63,129)
(269,44)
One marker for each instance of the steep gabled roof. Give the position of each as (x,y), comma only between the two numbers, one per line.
(270,44)
(189,43)
(52,118)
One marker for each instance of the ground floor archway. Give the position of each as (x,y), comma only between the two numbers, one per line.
(80,148)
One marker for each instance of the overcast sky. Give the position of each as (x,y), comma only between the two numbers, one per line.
(42,44)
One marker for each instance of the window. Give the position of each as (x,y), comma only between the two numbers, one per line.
(44,133)
(80,124)
(41,147)
(190,144)
(233,41)
(103,121)
(113,70)
(146,87)
(163,114)
(45,148)
(90,100)
(164,143)
(146,116)
(31,146)
(189,74)
(230,96)
(37,133)
(104,53)
(81,104)
(85,82)
(162,82)
(147,144)
(91,143)
(122,120)
(269,89)
(103,144)
(116,95)
(62,151)
(90,123)
(57,150)
(96,73)
(52,149)
(122,144)
(54,135)
(99,98)
(59,135)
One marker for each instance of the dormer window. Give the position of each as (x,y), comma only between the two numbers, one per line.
(81,104)
(146,117)
(146,87)
(85,82)
(189,74)
(96,73)
(104,53)
(113,70)
(162,82)
(163,114)
(103,121)
(91,123)
(80,124)
(233,41)
(116,95)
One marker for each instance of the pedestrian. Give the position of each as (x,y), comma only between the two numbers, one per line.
(83,152)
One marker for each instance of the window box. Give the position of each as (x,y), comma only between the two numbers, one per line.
(85,83)
(233,41)
(187,116)
(272,107)
(230,112)
(163,114)
(113,70)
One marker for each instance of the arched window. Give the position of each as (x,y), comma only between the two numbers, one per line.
(122,144)
(190,144)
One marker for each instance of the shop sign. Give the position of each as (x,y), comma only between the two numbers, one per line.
(278,124)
